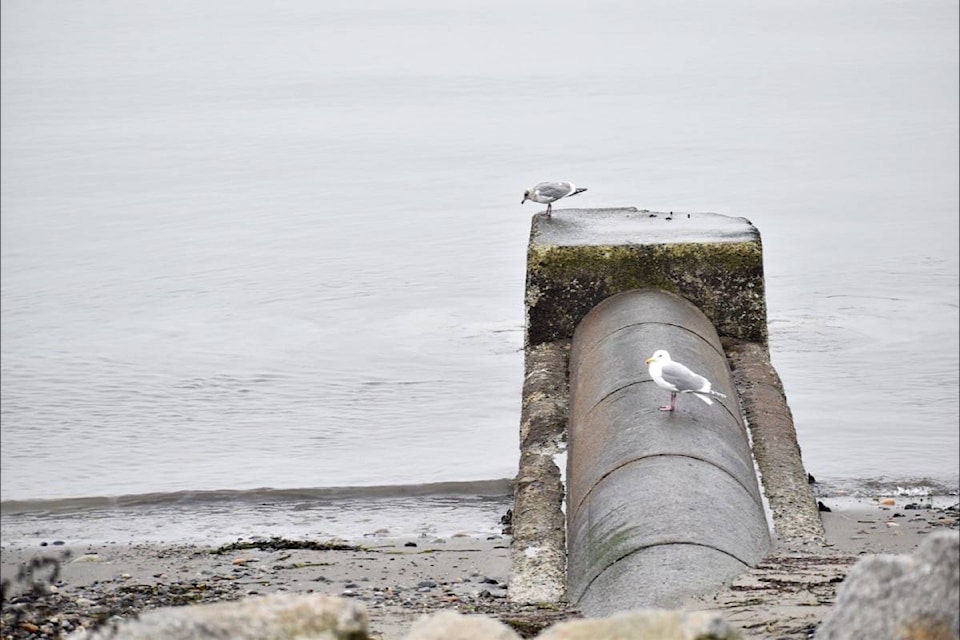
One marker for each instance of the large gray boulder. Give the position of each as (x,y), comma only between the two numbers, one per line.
(650,624)
(901,597)
(273,617)
(450,625)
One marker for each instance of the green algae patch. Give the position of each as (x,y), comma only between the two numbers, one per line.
(724,279)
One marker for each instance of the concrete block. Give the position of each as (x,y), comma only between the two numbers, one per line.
(579,257)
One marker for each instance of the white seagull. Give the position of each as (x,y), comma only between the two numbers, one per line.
(676,378)
(549,192)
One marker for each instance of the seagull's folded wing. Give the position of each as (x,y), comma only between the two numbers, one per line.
(682,378)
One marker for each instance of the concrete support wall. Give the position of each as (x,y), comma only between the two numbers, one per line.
(538,553)
(660,505)
(796,518)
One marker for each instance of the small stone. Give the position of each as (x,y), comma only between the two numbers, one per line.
(888,502)
(87,557)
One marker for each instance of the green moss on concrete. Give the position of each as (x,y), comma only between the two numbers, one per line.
(725,280)
(605,546)
(636,267)
(615,544)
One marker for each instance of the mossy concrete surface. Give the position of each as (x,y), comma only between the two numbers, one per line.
(579,257)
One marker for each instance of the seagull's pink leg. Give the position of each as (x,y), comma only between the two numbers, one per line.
(673,402)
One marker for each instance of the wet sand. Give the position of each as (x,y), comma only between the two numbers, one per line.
(400,579)
(788,594)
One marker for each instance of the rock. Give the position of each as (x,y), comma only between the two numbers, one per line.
(650,624)
(902,597)
(87,557)
(273,617)
(449,625)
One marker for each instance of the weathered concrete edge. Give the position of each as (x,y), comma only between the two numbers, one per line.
(796,518)
(538,548)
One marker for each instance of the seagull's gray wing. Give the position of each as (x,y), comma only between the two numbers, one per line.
(682,378)
(555,190)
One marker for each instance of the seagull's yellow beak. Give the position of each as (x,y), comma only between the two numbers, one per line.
(648,360)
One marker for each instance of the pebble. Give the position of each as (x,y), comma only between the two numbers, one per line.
(87,557)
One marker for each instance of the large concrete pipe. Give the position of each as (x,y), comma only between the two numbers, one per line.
(660,505)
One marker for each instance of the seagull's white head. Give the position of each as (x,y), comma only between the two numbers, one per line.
(526,196)
(660,356)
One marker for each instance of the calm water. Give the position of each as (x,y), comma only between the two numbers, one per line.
(250,244)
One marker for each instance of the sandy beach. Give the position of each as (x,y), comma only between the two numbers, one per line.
(400,579)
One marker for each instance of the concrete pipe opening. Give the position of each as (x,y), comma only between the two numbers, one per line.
(660,505)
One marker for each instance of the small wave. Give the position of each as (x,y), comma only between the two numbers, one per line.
(887,488)
(266,495)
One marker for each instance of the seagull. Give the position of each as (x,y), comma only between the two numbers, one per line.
(549,192)
(676,378)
